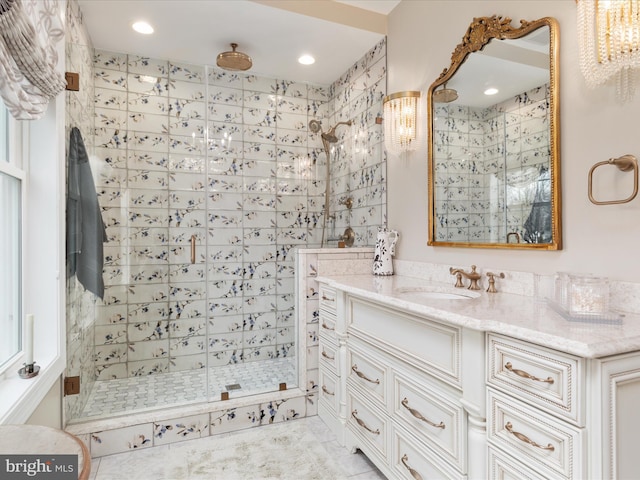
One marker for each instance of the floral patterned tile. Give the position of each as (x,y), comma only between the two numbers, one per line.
(226,96)
(225,79)
(185,72)
(187,362)
(110,334)
(144,312)
(180,429)
(109,442)
(110,60)
(226,112)
(143,368)
(186,90)
(110,99)
(188,345)
(147,66)
(147,103)
(110,79)
(147,331)
(261,84)
(190,308)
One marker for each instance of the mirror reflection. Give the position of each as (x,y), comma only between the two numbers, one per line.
(493,153)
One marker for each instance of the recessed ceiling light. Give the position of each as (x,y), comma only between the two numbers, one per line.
(491,91)
(306,60)
(142,27)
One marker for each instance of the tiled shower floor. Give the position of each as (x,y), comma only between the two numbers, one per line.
(125,395)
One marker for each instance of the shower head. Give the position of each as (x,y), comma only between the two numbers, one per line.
(233,60)
(330,136)
(445,95)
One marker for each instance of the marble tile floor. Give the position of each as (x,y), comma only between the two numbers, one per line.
(303,449)
(122,395)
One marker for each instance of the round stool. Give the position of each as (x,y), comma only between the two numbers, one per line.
(39,440)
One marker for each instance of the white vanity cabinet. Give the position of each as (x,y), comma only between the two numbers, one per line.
(429,394)
(331,347)
(405,393)
(561,416)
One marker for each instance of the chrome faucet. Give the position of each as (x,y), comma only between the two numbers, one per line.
(473,277)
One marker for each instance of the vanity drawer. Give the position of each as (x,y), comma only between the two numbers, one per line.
(367,424)
(550,379)
(411,460)
(329,358)
(366,374)
(539,440)
(328,326)
(433,417)
(503,467)
(426,344)
(329,393)
(328,300)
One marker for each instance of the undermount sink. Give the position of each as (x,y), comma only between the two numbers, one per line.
(434,293)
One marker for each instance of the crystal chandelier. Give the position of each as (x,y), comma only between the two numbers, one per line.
(400,121)
(609,43)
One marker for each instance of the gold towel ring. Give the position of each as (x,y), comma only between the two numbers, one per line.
(625,163)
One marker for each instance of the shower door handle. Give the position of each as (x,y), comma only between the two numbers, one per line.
(193,249)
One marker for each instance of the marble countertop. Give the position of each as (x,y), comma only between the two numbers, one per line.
(508,314)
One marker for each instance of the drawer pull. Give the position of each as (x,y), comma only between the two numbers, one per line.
(327,392)
(327,327)
(324,354)
(413,473)
(523,438)
(522,373)
(328,299)
(419,416)
(364,425)
(363,376)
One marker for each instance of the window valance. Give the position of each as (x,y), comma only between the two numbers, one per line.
(29,78)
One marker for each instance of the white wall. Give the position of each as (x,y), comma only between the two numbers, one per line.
(49,411)
(593,126)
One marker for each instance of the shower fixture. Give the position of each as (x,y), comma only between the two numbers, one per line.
(233,60)
(327,138)
(445,95)
(330,136)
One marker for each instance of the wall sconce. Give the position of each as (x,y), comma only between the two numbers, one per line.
(609,43)
(401,121)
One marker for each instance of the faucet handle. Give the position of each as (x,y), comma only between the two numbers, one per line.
(492,281)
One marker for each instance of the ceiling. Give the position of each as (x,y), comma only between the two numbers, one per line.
(336,33)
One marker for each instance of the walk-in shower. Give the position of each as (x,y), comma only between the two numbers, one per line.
(174,338)
(327,139)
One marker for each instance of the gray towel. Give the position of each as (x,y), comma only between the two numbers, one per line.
(85,228)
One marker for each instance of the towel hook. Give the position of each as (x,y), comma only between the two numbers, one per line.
(625,163)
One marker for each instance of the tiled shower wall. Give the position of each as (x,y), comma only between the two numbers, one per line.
(81,304)
(222,158)
(184,151)
(359,169)
(486,159)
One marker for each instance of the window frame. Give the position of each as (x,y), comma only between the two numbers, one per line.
(42,144)
(17,148)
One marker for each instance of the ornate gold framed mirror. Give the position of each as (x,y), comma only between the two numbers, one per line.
(494,139)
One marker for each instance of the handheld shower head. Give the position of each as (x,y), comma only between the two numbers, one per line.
(330,136)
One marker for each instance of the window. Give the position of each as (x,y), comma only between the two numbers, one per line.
(11,185)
